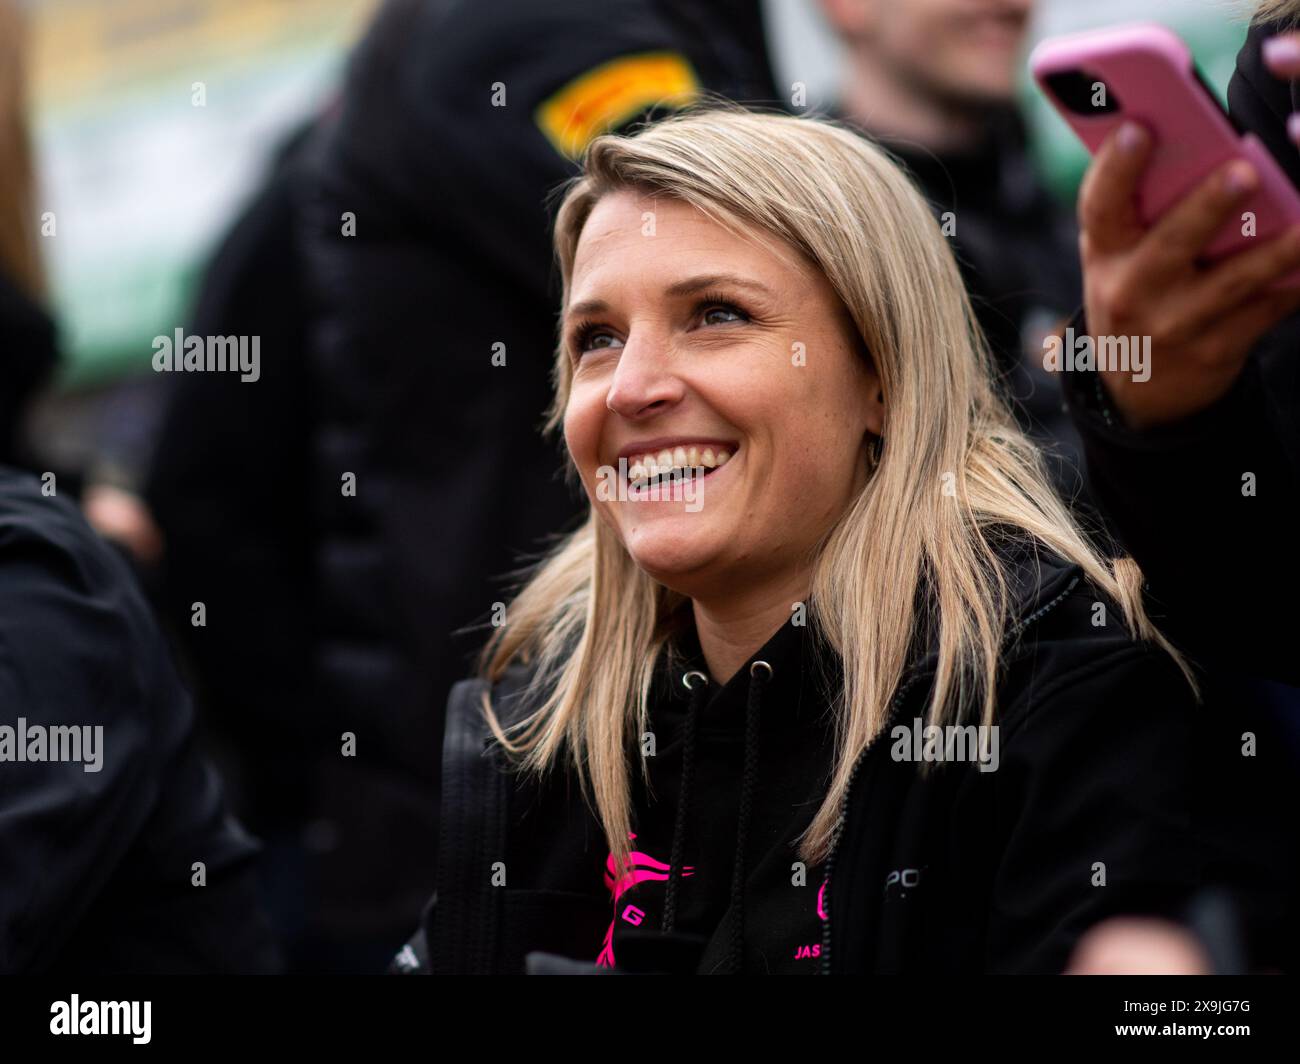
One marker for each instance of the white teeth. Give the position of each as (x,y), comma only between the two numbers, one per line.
(680,460)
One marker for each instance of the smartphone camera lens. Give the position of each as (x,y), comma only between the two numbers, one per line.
(1082,93)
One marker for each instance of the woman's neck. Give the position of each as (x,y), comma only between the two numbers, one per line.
(730,631)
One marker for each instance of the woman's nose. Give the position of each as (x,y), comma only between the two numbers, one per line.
(643,383)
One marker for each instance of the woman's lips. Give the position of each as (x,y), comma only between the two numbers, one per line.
(653,448)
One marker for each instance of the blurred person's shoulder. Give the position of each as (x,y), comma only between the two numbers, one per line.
(436,88)
(507,39)
(59,579)
(525,24)
(33,510)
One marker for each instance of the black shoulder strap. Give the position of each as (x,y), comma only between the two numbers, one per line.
(472,835)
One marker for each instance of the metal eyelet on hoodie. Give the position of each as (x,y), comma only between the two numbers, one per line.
(686,679)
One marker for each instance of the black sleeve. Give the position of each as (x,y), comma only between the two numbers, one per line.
(97,856)
(1208,508)
(1090,785)
(1113,798)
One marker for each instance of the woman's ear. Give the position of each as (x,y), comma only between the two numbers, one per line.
(873,391)
(875,413)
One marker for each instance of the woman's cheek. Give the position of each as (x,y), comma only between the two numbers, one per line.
(581,436)
(811,489)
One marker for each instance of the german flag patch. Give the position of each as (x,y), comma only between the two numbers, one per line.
(612,94)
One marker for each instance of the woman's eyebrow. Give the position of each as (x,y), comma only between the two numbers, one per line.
(714,280)
(690,286)
(587,306)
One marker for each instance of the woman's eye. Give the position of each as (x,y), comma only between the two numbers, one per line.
(595,340)
(722,314)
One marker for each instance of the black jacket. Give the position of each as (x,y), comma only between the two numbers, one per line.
(1097,805)
(98,868)
(1221,562)
(236,536)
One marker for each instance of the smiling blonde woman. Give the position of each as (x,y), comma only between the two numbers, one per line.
(876,704)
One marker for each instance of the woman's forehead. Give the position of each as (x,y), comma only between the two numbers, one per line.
(662,241)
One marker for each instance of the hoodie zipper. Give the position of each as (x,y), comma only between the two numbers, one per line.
(894,707)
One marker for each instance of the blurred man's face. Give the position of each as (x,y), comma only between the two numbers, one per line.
(963,51)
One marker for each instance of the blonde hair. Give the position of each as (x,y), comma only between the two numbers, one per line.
(19,256)
(1285,11)
(911,553)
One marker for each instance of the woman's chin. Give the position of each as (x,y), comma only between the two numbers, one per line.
(671,557)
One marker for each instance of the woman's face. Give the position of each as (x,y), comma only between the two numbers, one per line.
(697,347)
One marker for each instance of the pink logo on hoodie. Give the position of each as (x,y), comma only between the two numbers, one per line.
(641,867)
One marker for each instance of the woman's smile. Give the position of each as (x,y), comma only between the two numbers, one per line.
(680,485)
(666,459)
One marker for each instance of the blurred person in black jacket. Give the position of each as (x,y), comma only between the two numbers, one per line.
(934,81)
(406,333)
(227,488)
(433,321)
(117,853)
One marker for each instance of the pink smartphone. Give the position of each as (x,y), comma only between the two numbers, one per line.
(1146,73)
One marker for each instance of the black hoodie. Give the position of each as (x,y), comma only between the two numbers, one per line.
(715,744)
(1089,802)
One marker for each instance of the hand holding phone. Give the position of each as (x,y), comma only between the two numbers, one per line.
(1144,73)
(1190,232)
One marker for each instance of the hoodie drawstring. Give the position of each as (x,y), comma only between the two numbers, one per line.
(699,691)
(757,682)
(760,674)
